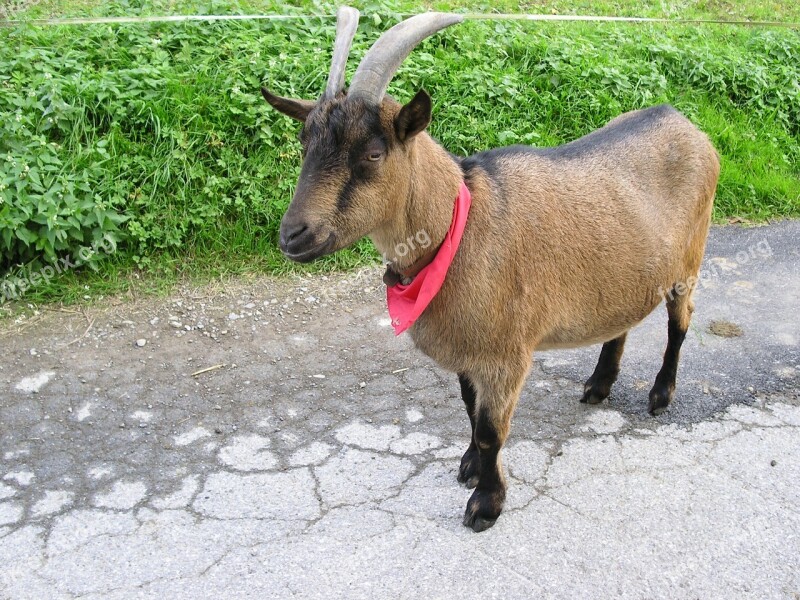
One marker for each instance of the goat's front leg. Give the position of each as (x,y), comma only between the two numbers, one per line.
(470,463)
(497,396)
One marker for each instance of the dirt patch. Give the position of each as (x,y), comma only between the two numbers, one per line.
(725,329)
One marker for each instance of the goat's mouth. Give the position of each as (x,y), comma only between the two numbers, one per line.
(327,246)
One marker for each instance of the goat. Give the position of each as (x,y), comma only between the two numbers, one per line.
(562,247)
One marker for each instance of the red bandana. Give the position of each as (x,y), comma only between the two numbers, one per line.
(407,302)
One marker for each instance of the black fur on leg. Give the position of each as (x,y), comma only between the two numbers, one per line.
(664,387)
(598,386)
(470,465)
(486,502)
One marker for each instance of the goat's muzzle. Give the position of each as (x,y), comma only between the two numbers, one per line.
(301,242)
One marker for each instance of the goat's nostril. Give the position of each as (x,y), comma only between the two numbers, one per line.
(292,233)
(294,236)
(296,232)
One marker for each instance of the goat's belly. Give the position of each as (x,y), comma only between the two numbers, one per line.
(587,333)
(605,311)
(563,340)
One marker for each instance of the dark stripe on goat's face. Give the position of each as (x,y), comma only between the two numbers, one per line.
(336,140)
(359,171)
(346,195)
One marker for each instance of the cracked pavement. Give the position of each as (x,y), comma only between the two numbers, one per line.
(273,439)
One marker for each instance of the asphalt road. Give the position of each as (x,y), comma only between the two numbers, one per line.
(317,455)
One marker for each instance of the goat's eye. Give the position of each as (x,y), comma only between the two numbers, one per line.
(372,153)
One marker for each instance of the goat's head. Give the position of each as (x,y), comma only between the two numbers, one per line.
(356,143)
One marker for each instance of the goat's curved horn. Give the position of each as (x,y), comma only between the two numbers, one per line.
(346,25)
(384,58)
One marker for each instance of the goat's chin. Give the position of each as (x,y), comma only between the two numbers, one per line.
(327,246)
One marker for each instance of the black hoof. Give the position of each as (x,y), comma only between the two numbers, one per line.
(479,524)
(469,471)
(660,398)
(483,509)
(595,393)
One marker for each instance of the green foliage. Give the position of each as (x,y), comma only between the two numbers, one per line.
(49,205)
(752,10)
(154,138)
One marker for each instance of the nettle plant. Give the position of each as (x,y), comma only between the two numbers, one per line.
(48,208)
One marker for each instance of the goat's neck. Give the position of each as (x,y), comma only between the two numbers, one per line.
(422,219)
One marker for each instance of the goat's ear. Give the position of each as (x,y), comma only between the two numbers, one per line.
(297,109)
(414,117)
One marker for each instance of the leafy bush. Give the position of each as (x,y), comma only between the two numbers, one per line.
(49,200)
(155,137)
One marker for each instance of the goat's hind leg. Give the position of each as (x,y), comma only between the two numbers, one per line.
(679,309)
(470,464)
(598,386)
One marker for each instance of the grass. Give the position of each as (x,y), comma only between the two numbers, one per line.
(153,141)
(762,10)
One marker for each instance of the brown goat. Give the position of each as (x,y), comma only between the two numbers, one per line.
(563,247)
